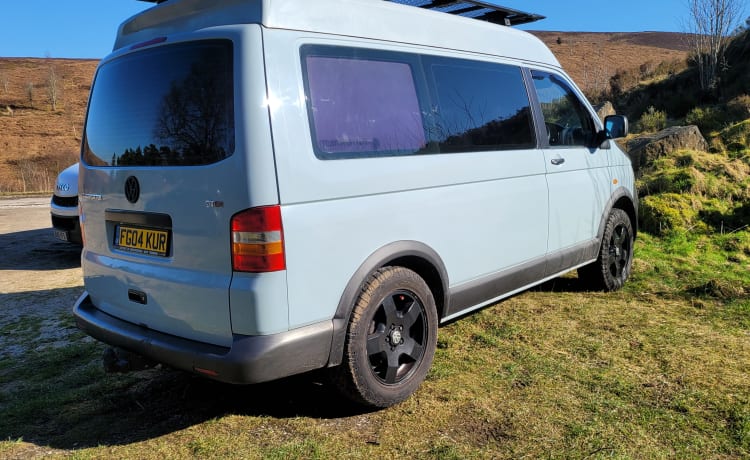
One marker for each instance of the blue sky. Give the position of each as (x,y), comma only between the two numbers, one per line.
(86,28)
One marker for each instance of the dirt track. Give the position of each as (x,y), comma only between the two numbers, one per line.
(40,277)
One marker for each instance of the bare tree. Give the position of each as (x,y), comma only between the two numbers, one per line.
(30,90)
(710,26)
(53,87)
(5,82)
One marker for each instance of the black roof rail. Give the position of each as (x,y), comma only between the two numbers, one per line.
(476,10)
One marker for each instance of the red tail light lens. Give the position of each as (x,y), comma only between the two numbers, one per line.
(258,240)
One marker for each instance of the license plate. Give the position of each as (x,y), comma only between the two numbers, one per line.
(142,240)
(61,235)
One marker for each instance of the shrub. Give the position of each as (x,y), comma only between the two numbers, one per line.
(652,120)
(739,107)
(736,137)
(706,118)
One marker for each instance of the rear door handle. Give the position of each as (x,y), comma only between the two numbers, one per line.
(557,161)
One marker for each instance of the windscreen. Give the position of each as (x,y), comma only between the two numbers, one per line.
(167,106)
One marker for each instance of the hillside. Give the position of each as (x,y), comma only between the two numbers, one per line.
(592,59)
(36,141)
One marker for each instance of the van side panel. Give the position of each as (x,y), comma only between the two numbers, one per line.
(258,301)
(467,207)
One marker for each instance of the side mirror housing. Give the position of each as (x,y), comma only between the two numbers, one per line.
(616,126)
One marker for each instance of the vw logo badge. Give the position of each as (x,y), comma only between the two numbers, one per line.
(132,189)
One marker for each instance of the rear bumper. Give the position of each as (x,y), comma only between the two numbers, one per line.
(250,359)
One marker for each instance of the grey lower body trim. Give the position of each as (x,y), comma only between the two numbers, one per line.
(250,359)
(479,292)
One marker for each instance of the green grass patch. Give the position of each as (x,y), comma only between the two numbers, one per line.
(657,370)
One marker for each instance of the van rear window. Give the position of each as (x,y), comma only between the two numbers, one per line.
(167,106)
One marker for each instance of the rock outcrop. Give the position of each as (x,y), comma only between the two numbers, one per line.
(604,110)
(645,149)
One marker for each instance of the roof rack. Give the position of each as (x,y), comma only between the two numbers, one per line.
(467,8)
(476,10)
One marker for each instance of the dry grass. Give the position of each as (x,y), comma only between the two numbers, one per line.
(37,142)
(658,370)
(592,59)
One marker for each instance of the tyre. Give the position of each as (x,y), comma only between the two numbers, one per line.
(615,261)
(390,341)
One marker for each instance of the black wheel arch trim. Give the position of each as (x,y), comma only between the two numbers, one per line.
(413,255)
(620,196)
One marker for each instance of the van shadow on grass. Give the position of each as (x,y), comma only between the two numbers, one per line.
(37,250)
(68,402)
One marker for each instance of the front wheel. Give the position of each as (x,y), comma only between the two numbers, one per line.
(391,339)
(615,261)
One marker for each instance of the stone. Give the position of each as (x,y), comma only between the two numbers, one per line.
(604,110)
(645,149)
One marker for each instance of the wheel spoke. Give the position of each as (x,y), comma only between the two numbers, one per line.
(624,256)
(615,268)
(412,314)
(392,372)
(619,236)
(412,349)
(389,307)
(376,343)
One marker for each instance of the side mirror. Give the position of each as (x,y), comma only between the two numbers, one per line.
(616,126)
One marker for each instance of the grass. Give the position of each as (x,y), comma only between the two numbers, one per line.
(657,370)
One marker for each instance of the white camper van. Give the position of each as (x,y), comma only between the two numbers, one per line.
(64,206)
(274,186)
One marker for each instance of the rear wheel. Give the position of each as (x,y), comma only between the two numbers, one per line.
(615,261)
(391,339)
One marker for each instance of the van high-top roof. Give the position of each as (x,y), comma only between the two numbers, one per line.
(371,19)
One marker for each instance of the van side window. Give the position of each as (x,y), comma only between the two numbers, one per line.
(478,106)
(362,105)
(365,103)
(567,121)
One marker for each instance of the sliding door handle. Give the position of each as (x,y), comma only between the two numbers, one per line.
(557,161)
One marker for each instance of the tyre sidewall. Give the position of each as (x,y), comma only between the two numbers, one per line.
(370,388)
(616,218)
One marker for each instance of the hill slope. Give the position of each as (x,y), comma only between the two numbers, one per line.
(592,59)
(36,142)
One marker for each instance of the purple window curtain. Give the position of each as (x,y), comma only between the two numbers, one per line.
(363,106)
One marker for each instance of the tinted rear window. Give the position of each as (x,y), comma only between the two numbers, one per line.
(167,106)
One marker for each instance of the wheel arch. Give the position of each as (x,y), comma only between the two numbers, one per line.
(415,256)
(621,199)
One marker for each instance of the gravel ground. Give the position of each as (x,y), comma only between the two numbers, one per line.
(40,278)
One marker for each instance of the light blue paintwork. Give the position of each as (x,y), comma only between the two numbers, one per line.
(481,212)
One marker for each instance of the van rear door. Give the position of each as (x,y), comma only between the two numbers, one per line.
(160,160)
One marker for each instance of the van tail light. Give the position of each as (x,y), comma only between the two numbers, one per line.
(258,240)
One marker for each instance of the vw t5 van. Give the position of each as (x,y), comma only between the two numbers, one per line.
(274,186)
